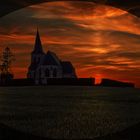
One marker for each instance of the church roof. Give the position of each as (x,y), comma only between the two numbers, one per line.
(67,67)
(50,59)
(38,44)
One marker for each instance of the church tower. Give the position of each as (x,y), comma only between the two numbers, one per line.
(36,56)
(38,51)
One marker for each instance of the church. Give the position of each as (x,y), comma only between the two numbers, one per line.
(47,65)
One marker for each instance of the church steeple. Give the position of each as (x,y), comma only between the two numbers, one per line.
(38,45)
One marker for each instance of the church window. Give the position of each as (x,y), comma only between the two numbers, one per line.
(47,72)
(40,73)
(37,60)
(54,73)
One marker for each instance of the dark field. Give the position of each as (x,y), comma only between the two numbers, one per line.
(69,112)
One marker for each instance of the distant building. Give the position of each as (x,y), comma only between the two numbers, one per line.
(47,65)
(115,83)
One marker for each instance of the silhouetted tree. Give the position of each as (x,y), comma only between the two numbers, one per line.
(5,67)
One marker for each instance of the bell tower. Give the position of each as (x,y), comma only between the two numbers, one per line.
(36,57)
(37,53)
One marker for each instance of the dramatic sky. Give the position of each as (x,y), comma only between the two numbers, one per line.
(100,41)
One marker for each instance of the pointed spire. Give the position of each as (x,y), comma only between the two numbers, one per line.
(38,44)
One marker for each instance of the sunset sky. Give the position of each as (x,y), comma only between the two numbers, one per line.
(100,41)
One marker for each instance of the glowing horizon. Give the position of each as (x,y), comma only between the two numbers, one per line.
(100,41)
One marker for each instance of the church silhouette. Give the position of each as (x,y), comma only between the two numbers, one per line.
(47,65)
(48,69)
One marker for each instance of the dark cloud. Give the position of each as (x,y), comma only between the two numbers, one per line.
(9,6)
(97,43)
(135,10)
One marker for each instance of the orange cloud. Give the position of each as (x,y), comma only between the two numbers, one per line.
(89,15)
(101,41)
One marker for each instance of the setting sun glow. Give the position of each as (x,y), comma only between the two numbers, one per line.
(101,41)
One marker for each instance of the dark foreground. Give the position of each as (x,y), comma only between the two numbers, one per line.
(7,133)
(69,113)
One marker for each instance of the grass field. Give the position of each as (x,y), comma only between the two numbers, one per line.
(69,112)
